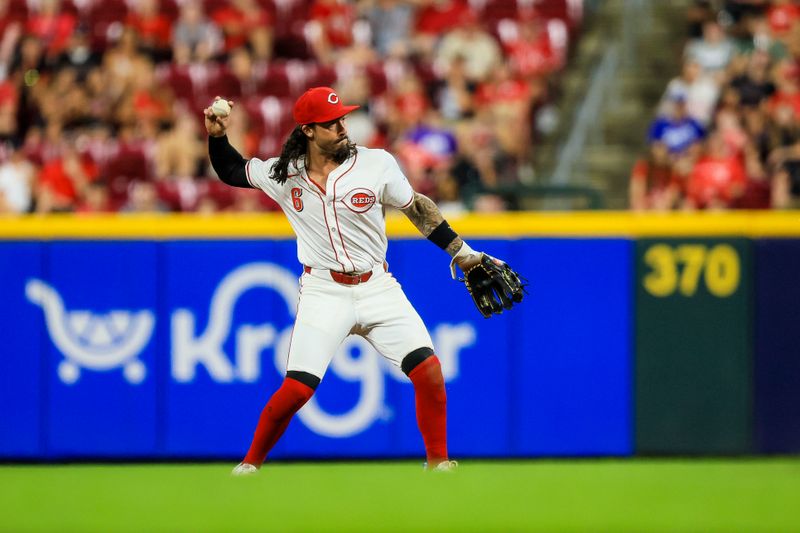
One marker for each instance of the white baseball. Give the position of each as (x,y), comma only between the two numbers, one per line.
(221,108)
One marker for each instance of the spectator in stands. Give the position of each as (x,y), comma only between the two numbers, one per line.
(96,198)
(408,104)
(63,179)
(391,23)
(146,104)
(454,95)
(481,164)
(16,183)
(505,101)
(195,38)
(123,63)
(448,194)
(754,85)
(143,198)
(718,179)
(360,53)
(434,19)
(9,96)
(152,27)
(701,92)
(330,28)
(78,55)
(786,180)
(679,132)
(116,77)
(470,43)
(759,37)
(51,25)
(11,29)
(714,51)
(531,53)
(729,127)
(179,150)
(782,15)
(654,185)
(245,22)
(787,92)
(428,146)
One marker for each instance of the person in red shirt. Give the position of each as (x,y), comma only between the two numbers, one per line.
(782,15)
(245,22)
(654,185)
(718,179)
(337,19)
(787,89)
(154,28)
(434,19)
(531,54)
(63,180)
(52,26)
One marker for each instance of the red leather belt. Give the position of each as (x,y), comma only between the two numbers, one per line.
(345,279)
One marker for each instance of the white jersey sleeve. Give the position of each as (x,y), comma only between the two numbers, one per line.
(258,171)
(397,191)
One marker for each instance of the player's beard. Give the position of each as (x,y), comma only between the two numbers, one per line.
(340,151)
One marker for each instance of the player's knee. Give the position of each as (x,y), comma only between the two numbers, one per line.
(414,359)
(309,380)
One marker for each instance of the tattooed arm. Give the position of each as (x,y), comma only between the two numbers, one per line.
(425,215)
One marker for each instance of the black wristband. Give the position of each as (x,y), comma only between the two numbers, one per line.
(442,235)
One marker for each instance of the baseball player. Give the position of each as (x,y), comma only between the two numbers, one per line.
(334,194)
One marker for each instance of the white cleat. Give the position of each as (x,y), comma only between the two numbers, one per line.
(445,466)
(244,469)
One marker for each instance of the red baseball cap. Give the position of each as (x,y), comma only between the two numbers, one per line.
(320,104)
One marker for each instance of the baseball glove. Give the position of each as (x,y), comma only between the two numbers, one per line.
(494,286)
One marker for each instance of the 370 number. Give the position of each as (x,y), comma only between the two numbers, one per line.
(679,269)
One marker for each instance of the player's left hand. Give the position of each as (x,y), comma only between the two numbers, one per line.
(493,285)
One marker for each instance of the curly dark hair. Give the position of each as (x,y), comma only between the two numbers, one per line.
(295,148)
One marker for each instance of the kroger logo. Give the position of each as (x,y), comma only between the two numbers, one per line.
(113,340)
(91,340)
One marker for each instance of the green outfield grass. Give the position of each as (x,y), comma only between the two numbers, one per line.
(549,496)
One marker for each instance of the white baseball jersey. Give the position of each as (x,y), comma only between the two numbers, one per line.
(341,228)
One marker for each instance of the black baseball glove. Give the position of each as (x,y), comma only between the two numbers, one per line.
(494,286)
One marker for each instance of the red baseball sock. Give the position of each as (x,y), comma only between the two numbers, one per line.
(275,417)
(431,400)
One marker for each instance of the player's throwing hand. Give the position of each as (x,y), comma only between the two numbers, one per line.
(216,125)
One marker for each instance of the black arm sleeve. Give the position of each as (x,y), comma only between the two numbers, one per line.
(227,162)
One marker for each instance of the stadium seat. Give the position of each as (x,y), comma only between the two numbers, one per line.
(130,164)
(275,81)
(223,83)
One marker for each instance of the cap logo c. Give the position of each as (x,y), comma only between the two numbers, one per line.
(333,99)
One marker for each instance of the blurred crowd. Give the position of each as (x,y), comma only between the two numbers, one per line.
(101,100)
(727,134)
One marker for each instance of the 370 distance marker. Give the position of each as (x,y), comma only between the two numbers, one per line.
(680,268)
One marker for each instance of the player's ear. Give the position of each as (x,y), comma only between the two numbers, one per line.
(308,131)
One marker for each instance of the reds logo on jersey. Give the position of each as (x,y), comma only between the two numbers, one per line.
(359,200)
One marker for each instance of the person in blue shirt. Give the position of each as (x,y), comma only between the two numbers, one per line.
(679,132)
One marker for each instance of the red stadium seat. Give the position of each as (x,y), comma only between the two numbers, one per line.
(170,9)
(319,75)
(275,81)
(129,165)
(224,83)
(178,79)
(378,84)
(105,21)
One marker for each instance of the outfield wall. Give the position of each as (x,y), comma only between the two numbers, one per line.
(162,337)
